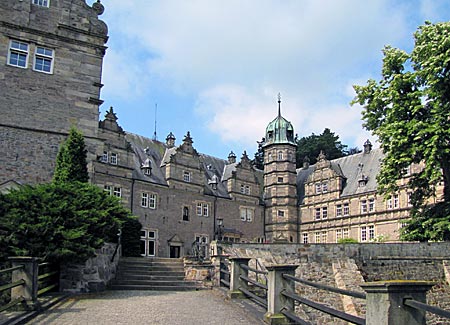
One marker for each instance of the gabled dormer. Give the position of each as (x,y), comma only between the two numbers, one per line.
(182,166)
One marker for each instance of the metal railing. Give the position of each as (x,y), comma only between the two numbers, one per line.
(431,309)
(49,280)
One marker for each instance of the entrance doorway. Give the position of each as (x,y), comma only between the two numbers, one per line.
(175,251)
(148,242)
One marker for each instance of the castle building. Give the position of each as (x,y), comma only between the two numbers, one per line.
(51,57)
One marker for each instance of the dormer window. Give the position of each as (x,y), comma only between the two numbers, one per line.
(269,135)
(146,167)
(147,171)
(186,176)
(42,3)
(362,181)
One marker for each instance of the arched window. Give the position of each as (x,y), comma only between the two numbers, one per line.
(280,155)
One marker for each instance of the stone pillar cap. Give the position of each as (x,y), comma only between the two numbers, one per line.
(277,267)
(397,286)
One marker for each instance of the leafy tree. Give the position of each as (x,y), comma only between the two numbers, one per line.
(408,109)
(62,222)
(312,145)
(71,160)
(347,241)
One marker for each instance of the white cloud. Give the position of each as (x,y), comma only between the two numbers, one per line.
(234,56)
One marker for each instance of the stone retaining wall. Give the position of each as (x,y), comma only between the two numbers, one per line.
(94,275)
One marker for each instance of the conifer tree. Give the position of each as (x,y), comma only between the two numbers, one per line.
(71,160)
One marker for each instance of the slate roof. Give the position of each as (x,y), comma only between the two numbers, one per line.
(352,169)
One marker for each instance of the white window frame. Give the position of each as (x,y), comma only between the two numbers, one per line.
(324,212)
(186,176)
(48,55)
(246,214)
(317,237)
(247,189)
(364,208)
(339,210)
(117,191)
(389,204)
(242,189)
(281,213)
(324,237)
(305,237)
(108,189)
(205,209)
(338,235)
(346,209)
(318,188)
(105,156)
(152,199)
(324,187)
(41,3)
(199,209)
(345,233)
(280,155)
(396,201)
(408,198)
(371,232)
(371,205)
(114,158)
(317,214)
(144,200)
(363,233)
(18,51)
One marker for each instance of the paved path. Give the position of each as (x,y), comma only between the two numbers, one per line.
(149,307)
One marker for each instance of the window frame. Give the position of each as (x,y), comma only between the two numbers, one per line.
(185,213)
(324,212)
(186,176)
(346,209)
(41,3)
(364,206)
(363,233)
(317,214)
(324,187)
(152,201)
(305,238)
(144,200)
(114,158)
(339,210)
(371,206)
(117,191)
(19,51)
(45,57)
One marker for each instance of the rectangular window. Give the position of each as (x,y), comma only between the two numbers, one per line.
(144,200)
(363,233)
(105,156)
(152,201)
(345,233)
(199,209)
(317,213)
(372,205)
(18,54)
(242,189)
(247,214)
(389,204)
(371,232)
(205,209)
(363,206)
(113,158)
(108,189)
(280,213)
(43,60)
(305,238)
(396,201)
(338,235)
(186,176)
(185,213)
(42,3)
(324,237)
(324,187)
(317,237)
(318,188)
(346,209)
(280,179)
(339,210)
(117,191)
(324,212)
(247,189)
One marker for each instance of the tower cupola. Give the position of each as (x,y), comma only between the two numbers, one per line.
(280,130)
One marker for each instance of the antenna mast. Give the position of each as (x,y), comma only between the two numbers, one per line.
(154,133)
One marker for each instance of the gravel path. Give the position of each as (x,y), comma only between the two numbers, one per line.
(148,307)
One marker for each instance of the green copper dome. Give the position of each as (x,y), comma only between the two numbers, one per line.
(279,130)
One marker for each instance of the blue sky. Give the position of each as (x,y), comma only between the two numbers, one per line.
(214,68)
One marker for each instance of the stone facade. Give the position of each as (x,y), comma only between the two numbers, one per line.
(50,79)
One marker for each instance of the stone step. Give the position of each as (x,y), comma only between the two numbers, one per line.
(130,276)
(155,288)
(133,269)
(155,283)
(151,260)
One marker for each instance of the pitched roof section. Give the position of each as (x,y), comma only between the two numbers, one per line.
(362,167)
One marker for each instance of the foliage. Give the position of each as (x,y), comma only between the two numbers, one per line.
(131,238)
(71,160)
(258,161)
(347,241)
(381,238)
(408,109)
(62,222)
(432,223)
(312,145)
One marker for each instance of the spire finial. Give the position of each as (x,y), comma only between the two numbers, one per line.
(279,104)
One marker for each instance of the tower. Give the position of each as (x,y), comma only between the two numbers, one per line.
(51,56)
(280,191)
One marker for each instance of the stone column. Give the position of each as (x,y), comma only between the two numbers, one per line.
(236,272)
(275,300)
(29,273)
(384,302)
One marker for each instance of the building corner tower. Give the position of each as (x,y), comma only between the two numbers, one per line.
(280,190)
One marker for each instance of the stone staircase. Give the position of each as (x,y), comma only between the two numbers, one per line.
(165,274)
